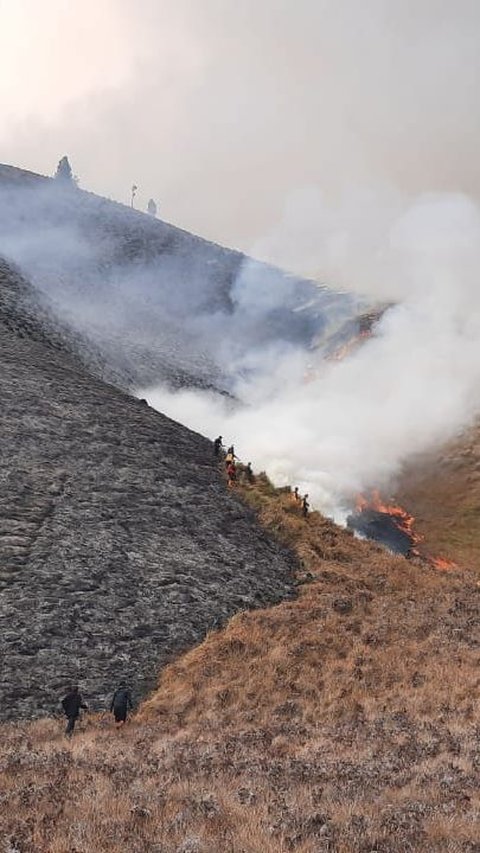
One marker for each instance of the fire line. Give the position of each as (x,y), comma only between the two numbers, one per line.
(372,509)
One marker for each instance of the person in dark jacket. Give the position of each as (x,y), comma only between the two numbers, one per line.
(120,704)
(248,473)
(305,506)
(71,705)
(217,446)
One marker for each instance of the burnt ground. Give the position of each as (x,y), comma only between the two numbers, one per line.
(381,527)
(342,721)
(119,544)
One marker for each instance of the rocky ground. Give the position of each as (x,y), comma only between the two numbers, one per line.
(119,545)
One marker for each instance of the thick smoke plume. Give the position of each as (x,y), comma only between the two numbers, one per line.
(333,427)
(284,128)
(153,297)
(337,428)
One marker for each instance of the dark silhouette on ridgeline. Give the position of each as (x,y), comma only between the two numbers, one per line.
(217,446)
(152,207)
(71,704)
(64,173)
(121,703)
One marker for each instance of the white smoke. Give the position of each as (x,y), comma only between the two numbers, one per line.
(410,387)
(333,428)
(146,292)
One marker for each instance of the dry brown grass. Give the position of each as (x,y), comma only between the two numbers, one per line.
(443,491)
(345,720)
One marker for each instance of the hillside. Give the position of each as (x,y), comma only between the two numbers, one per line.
(442,490)
(119,544)
(297,689)
(160,304)
(344,720)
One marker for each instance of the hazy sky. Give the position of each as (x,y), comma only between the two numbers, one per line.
(231,112)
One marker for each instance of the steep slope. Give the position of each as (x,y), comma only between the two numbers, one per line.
(162,305)
(442,490)
(29,314)
(119,545)
(344,720)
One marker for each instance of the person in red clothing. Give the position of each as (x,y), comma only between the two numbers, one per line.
(231,474)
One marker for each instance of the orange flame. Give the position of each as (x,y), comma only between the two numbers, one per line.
(405,522)
(442,564)
(403,519)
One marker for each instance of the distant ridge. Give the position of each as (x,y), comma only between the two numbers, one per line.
(161,304)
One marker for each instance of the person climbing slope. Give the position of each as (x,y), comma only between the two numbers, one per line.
(305,506)
(121,703)
(248,473)
(217,446)
(71,704)
(230,457)
(231,474)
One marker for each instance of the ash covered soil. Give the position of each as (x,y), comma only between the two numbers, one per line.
(343,720)
(119,544)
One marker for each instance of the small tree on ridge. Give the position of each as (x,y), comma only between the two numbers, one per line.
(64,172)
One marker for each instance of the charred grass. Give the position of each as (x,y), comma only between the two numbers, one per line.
(345,720)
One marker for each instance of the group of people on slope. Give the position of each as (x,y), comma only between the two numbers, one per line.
(233,466)
(300,501)
(120,705)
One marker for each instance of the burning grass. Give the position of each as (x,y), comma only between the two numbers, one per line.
(394,527)
(344,720)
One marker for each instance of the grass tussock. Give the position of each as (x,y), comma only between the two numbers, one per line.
(344,720)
